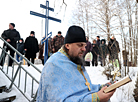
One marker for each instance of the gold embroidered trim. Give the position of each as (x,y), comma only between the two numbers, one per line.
(63,52)
(95,97)
(79,68)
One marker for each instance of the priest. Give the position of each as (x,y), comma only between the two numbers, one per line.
(64,78)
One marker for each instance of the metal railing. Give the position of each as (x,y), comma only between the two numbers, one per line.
(16,73)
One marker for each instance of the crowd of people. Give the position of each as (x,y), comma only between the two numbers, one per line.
(100,50)
(30,47)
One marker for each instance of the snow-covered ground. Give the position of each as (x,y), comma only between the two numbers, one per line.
(122,94)
(19,97)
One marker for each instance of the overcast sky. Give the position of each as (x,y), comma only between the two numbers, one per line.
(18,12)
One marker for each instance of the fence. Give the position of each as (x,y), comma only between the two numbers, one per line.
(17,71)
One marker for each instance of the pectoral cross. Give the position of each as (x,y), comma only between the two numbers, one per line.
(88,84)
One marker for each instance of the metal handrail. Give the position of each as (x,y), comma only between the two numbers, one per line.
(19,54)
(18,71)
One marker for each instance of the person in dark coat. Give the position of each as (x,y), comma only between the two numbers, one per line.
(41,50)
(31,47)
(11,36)
(103,51)
(114,49)
(49,47)
(95,52)
(98,41)
(20,48)
(57,42)
(88,49)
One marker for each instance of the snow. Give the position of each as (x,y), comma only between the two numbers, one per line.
(5,81)
(19,97)
(122,94)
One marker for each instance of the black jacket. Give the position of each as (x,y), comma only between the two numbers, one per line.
(20,47)
(13,35)
(95,50)
(31,44)
(98,43)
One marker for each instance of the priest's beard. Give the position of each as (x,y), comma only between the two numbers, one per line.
(77,60)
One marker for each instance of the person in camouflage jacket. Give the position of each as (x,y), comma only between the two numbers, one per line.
(114,49)
(57,42)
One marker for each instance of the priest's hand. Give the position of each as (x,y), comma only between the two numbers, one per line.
(109,83)
(104,97)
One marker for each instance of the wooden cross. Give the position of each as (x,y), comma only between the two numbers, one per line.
(88,84)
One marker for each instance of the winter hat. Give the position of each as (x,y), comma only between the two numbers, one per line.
(21,39)
(103,40)
(12,24)
(59,32)
(32,32)
(75,34)
(98,36)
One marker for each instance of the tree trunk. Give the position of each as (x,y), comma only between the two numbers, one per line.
(107,20)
